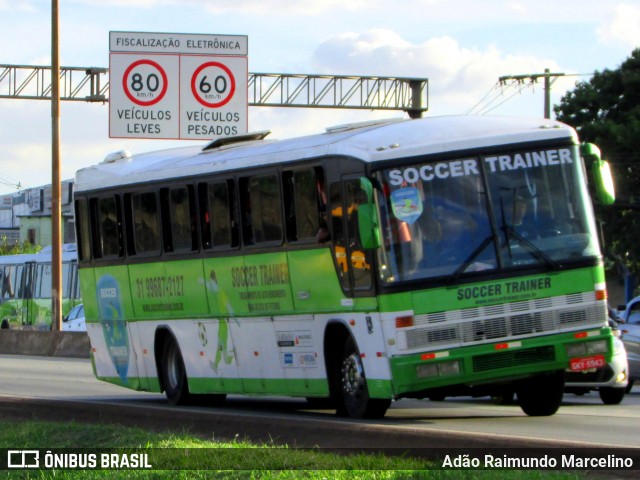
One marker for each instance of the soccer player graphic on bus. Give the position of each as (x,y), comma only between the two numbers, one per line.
(223,353)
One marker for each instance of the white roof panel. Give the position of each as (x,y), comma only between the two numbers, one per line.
(369,142)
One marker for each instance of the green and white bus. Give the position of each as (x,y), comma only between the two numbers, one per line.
(411,258)
(25,297)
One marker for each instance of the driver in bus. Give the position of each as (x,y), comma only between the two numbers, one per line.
(519,221)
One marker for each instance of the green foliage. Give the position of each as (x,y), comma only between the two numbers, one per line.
(15,248)
(606,111)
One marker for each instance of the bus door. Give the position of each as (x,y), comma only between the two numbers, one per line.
(352,261)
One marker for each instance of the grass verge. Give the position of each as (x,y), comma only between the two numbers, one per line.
(184,456)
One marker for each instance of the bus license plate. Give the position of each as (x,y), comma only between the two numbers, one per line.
(587,363)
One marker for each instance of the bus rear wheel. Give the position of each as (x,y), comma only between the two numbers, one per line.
(174,375)
(355,401)
(541,396)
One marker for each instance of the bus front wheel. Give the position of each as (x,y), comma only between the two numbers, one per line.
(174,375)
(355,401)
(541,396)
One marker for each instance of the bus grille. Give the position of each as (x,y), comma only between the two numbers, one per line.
(502,322)
(527,356)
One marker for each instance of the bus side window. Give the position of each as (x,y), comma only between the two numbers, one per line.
(26,273)
(217,215)
(261,208)
(82,228)
(179,220)
(146,227)
(42,287)
(8,273)
(66,280)
(106,227)
(245,212)
(303,206)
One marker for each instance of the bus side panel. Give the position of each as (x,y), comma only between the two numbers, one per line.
(107,311)
(168,290)
(314,282)
(226,282)
(270,289)
(143,356)
(258,360)
(214,368)
(299,343)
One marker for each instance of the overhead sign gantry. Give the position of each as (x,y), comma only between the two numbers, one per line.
(91,84)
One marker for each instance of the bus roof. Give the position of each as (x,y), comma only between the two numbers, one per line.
(370,142)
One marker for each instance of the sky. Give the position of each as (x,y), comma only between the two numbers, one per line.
(461,46)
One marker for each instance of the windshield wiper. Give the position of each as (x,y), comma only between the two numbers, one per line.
(534,251)
(469,260)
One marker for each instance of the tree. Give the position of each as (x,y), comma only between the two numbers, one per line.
(13,248)
(606,111)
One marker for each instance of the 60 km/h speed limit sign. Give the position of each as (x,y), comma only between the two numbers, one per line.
(216,105)
(177,86)
(213,84)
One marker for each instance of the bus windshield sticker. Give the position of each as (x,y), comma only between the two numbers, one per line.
(406,204)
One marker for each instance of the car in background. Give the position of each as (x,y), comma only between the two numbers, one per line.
(74,320)
(629,321)
(610,380)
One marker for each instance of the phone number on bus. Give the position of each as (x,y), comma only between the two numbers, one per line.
(160,286)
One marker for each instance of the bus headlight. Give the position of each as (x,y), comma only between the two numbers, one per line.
(599,346)
(438,369)
(586,348)
(576,349)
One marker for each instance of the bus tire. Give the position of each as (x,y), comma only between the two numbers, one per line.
(541,396)
(355,401)
(5,325)
(612,395)
(174,375)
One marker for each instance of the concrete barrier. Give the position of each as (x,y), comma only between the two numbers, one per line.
(45,343)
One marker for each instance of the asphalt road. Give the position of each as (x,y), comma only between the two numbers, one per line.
(29,385)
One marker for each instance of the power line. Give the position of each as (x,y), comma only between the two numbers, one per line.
(488,110)
(522,81)
(10,183)
(495,87)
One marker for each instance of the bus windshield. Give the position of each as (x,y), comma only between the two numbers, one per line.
(517,208)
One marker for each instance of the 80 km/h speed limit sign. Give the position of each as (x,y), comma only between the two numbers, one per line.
(145,82)
(147,102)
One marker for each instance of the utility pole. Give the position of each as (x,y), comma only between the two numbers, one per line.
(549,79)
(56,209)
